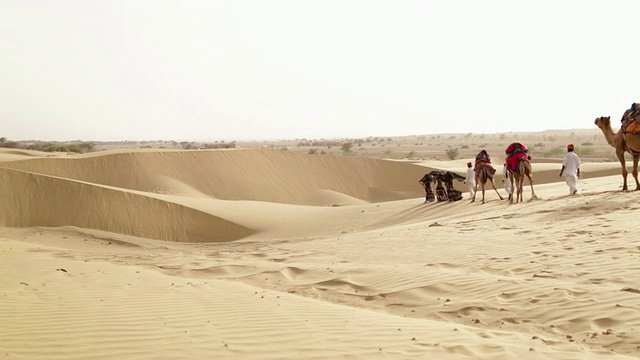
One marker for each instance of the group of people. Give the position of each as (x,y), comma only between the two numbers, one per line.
(570,170)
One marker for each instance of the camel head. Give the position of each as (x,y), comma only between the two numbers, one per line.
(603,122)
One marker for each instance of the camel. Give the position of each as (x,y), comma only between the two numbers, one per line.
(483,175)
(523,169)
(445,179)
(622,142)
(426,181)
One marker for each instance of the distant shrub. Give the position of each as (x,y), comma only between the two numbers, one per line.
(10,145)
(346,148)
(588,143)
(464,146)
(313,151)
(538,145)
(452,153)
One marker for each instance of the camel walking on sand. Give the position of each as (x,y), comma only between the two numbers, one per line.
(523,169)
(483,175)
(623,142)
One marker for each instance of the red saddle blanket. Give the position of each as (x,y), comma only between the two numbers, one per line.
(483,164)
(514,160)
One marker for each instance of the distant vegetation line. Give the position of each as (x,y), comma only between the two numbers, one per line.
(590,145)
(74,147)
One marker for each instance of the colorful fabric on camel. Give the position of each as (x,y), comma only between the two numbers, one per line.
(632,127)
(630,119)
(483,155)
(631,114)
(516,152)
(483,164)
(514,160)
(516,147)
(483,160)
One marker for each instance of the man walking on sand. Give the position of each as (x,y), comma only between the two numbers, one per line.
(506,181)
(471,179)
(571,169)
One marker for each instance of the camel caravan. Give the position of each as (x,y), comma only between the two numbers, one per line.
(518,163)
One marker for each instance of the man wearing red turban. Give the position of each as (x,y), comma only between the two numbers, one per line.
(571,169)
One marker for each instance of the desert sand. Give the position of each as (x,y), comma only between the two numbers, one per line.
(269,254)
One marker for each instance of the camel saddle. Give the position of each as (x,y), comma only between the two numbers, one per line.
(514,159)
(516,147)
(483,155)
(631,120)
(631,127)
(483,164)
(632,113)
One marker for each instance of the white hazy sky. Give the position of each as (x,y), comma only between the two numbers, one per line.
(285,69)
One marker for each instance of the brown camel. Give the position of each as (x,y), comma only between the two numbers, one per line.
(523,169)
(483,175)
(622,142)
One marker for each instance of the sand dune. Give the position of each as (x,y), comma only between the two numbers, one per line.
(261,175)
(41,200)
(264,254)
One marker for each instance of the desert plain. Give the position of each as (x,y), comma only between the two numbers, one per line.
(273,251)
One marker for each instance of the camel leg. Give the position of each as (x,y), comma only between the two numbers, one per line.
(533,194)
(513,188)
(483,193)
(494,188)
(635,170)
(620,155)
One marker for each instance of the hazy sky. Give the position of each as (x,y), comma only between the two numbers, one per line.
(276,69)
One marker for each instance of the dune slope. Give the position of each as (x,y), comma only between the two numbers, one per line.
(262,175)
(39,200)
